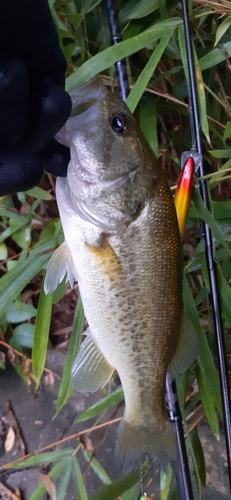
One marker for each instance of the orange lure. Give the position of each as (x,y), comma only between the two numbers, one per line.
(184,192)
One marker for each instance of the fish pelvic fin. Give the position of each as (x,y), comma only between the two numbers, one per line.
(135,443)
(106,258)
(90,370)
(59,266)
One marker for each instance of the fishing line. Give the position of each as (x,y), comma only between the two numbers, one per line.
(211,264)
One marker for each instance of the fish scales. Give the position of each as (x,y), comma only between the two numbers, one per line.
(121,231)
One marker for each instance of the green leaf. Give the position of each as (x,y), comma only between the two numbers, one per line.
(227,131)
(220,153)
(225,295)
(201,98)
(60,291)
(2,360)
(132,493)
(97,468)
(40,193)
(105,403)
(137,10)
(78,480)
(215,56)
(22,236)
(181,36)
(165,482)
(24,335)
(199,455)
(65,389)
(215,179)
(224,290)
(13,282)
(53,474)
(109,56)
(19,220)
(199,82)
(41,334)
(224,26)
(148,122)
(3,251)
(116,488)
(16,313)
(146,74)
(207,401)
(205,215)
(64,480)
(40,459)
(205,355)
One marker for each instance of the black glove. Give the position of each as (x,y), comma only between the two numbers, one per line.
(33,102)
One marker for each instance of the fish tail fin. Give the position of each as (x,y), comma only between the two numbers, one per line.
(136,442)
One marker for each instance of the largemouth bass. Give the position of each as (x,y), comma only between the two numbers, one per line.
(122,245)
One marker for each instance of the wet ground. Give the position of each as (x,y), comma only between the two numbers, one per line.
(37,428)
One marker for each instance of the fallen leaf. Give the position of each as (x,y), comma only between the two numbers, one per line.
(17,493)
(49,485)
(11,355)
(86,443)
(10,439)
(6,494)
(49,380)
(2,360)
(26,365)
(9,420)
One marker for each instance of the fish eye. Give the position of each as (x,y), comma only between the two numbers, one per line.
(120,123)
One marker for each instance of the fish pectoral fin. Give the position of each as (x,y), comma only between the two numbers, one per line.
(59,266)
(187,350)
(90,370)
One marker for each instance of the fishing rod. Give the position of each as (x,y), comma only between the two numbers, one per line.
(211,264)
(182,472)
(121,70)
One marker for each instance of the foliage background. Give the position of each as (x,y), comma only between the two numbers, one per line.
(153,43)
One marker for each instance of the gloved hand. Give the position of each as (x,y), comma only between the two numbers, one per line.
(33,102)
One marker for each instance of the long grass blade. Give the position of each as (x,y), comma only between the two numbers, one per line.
(65,389)
(111,55)
(41,334)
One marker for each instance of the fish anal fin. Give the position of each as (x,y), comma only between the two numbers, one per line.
(106,257)
(90,370)
(59,266)
(187,350)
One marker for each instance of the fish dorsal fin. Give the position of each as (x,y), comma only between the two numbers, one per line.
(187,350)
(90,370)
(59,266)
